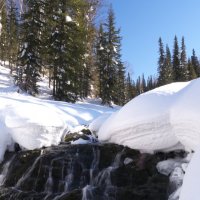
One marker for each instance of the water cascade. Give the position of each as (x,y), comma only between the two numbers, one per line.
(82,172)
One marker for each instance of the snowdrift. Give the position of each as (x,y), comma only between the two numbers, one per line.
(191,181)
(160,119)
(37,122)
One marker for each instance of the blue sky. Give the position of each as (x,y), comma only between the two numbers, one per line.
(142,22)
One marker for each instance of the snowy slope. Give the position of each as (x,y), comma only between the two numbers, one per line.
(160,119)
(36,122)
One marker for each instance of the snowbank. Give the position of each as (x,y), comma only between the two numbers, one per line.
(191,181)
(96,124)
(34,122)
(158,119)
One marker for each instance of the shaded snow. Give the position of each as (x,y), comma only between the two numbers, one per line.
(37,122)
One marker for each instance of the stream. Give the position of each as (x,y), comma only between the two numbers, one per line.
(83,172)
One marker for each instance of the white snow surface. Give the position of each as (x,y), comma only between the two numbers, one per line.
(96,124)
(36,122)
(191,181)
(159,119)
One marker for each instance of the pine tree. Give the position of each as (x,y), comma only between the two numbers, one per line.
(29,56)
(183,62)
(195,63)
(176,61)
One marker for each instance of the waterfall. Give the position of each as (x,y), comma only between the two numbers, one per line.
(86,172)
(27,173)
(103,177)
(5,170)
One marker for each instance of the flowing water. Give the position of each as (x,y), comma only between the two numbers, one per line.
(82,172)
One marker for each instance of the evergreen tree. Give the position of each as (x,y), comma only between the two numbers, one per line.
(13,40)
(120,87)
(138,86)
(161,64)
(67,37)
(191,71)
(29,56)
(87,19)
(176,61)
(130,89)
(168,75)
(101,60)
(4,32)
(143,84)
(195,63)
(110,60)
(183,62)
(150,84)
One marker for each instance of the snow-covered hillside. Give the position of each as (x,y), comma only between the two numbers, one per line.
(164,118)
(36,122)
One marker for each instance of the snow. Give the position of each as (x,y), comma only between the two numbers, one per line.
(81,141)
(191,180)
(175,169)
(36,122)
(68,19)
(164,118)
(96,124)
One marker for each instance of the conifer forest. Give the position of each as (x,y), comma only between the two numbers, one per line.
(80,54)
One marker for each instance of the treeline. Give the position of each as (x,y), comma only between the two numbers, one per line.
(60,39)
(177,66)
(172,67)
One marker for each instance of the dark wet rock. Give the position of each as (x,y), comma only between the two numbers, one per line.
(84,134)
(92,172)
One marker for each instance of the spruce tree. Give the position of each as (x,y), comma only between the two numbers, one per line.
(120,87)
(191,71)
(168,75)
(4,32)
(101,60)
(176,61)
(13,34)
(111,60)
(130,88)
(161,62)
(66,38)
(183,62)
(30,62)
(195,63)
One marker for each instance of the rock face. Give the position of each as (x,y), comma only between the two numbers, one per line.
(87,172)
